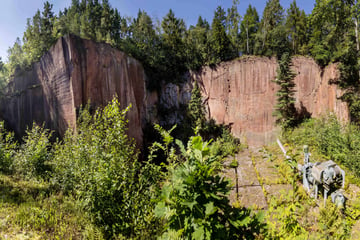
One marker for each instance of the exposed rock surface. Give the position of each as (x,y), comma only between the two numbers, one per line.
(73,72)
(173,101)
(241,93)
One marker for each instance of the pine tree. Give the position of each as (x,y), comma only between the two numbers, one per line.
(3,74)
(233,20)
(196,108)
(296,27)
(331,22)
(173,46)
(248,29)
(285,111)
(38,37)
(272,34)
(197,39)
(46,27)
(220,42)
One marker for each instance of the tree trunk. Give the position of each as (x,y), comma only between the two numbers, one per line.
(357,34)
(247,40)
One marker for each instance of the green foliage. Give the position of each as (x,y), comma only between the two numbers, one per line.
(4,75)
(233,20)
(8,147)
(287,211)
(296,27)
(194,203)
(197,41)
(248,29)
(99,164)
(285,110)
(353,99)
(270,36)
(196,109)
(28,212)
(225,145)
(219,41)
(283,220)
(17,59)
(330,22)
(173,45)
(331,139)
(32,159)
(332,224)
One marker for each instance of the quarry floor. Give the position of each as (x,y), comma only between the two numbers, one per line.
(256,180)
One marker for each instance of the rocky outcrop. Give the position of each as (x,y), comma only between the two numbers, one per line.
(241,94)
(173,102)
(71,74)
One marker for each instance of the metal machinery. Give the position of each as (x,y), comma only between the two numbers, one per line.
(326,175)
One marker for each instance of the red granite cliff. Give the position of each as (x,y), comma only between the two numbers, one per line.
(241,93)
(72,73)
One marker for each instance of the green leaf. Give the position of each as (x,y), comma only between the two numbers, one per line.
(181,146)
(160,209)
(197,143)
(210,209)
(189,204)
(199,233)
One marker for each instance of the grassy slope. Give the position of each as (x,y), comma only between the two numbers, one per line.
(27,211)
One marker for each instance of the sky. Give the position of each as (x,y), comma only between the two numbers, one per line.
(14,13)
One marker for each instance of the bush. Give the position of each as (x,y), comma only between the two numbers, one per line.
(32,159)
(8,146)
(99,164)
(194,200)
(333,140)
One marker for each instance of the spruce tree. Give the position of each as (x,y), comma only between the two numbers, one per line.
(196,108)
(220,41)
(296,27)
(272,34)
(174,58)
(285,111)
(248,29)
(197,39)
(233,20)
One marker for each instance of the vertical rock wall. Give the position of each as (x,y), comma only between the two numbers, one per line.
(238,93)
(241,94)
(72,73)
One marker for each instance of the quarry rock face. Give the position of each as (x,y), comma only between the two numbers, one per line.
(241,93)
(71,74)
(173,101)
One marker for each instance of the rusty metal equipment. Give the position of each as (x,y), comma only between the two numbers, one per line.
(325,175)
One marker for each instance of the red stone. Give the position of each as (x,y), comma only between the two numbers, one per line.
(73,72)
(241,93)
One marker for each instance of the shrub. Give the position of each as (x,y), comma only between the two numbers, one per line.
(194,200)
(99,164)
(333,140)
(32,159)
(8,146)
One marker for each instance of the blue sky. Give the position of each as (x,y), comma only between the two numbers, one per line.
(13,13)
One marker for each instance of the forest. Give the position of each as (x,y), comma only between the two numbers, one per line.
(93,184)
